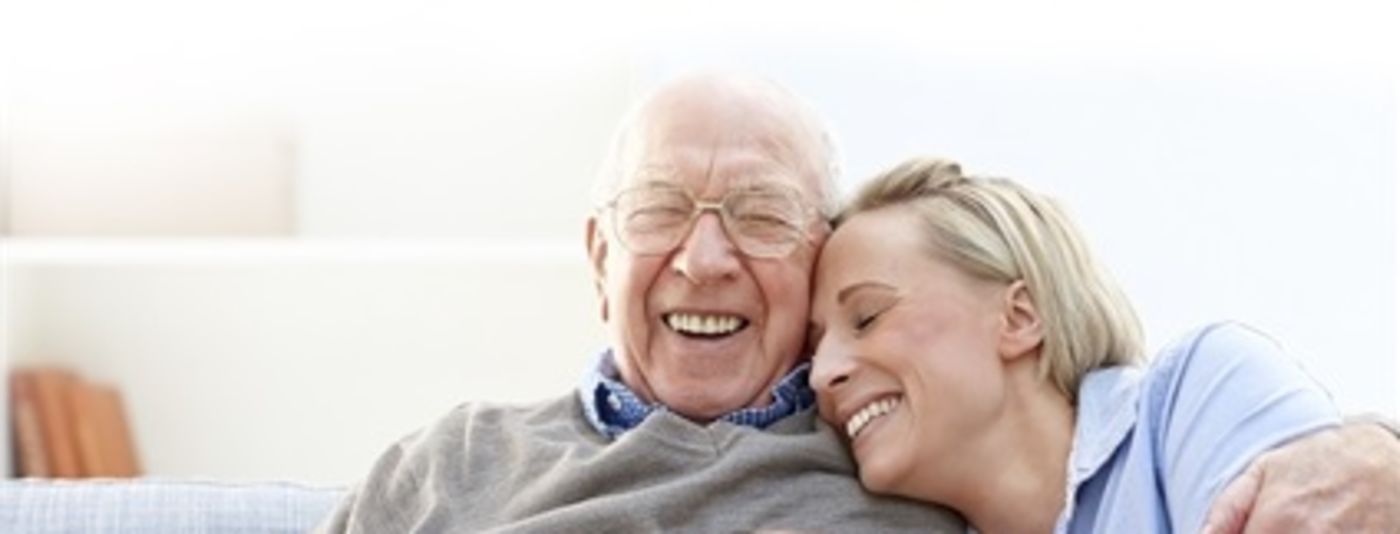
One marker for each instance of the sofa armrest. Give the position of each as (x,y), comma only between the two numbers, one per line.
(159,505)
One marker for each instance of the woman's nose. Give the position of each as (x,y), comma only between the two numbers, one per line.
(830,367)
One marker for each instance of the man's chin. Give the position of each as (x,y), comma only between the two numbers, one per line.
(703,409)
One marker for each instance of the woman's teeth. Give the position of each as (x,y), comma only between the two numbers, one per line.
(869,413)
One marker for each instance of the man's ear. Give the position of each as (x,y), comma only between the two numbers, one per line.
(1022,330)
(597,258)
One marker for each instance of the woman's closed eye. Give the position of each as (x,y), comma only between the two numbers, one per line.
(865,303)
(862,321)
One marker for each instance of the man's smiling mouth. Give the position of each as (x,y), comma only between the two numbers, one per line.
(704,325)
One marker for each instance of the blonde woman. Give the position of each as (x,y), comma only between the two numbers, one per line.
(976,356)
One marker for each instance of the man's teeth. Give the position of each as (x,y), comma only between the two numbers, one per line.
(703,324)
(867,414)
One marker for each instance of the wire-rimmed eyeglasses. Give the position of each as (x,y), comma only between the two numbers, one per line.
(762,221)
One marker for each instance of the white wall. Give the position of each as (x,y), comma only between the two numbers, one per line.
(458,149)
(307,369)
(301,360)
(148,171)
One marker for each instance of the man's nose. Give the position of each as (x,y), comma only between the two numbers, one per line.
(707,254)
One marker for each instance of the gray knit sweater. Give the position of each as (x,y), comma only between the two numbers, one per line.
(542,468)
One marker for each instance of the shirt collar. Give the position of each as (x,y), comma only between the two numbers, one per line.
(613,408)
(1104,417)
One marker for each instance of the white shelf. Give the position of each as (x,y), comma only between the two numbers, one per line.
(256,251)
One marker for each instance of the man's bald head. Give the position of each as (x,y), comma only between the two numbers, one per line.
(730,108)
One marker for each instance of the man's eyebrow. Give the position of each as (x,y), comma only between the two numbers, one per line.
(779,183)
(655,183)
(846,292)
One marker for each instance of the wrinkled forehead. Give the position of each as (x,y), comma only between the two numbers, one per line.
(714,182)
(711,148)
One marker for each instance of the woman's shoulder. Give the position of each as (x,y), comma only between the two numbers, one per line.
(1225,392)
(1192,361)
(1212,400)
(1223,339)
(1213,355)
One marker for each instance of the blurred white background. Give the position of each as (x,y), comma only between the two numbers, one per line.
(293,232)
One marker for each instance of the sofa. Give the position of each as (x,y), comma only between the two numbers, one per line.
(150,505)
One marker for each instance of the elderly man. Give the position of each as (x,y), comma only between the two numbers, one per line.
(711,214)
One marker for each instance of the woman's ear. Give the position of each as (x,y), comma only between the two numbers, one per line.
(1022,330)
(597,258)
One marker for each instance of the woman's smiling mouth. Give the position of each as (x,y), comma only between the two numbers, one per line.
(874,410)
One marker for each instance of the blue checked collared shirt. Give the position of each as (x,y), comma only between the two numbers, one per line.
(613,408)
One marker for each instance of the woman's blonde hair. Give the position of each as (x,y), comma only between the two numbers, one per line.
(995,229)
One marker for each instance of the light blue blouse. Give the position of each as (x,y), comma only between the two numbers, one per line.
(1153,447)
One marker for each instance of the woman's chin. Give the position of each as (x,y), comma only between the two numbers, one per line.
(880,475)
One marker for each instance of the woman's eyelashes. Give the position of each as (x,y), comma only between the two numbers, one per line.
(863,321)
(865,316)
